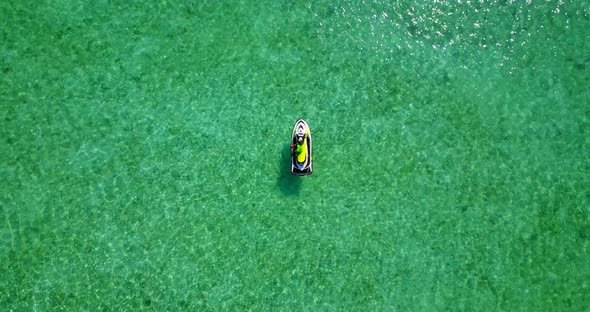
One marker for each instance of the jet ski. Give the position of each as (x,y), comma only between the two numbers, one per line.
(301,164)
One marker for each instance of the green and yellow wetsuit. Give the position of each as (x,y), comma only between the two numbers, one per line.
(301,150)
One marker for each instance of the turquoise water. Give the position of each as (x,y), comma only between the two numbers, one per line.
(144,155)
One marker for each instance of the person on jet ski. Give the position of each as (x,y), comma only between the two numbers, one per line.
(299,148)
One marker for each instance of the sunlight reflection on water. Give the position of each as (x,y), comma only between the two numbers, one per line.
(430,29)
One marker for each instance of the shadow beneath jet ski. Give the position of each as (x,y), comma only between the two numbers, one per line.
(288,183)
